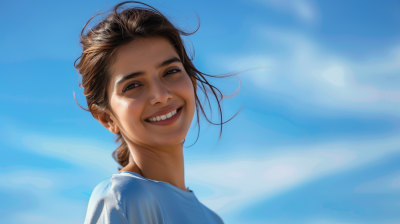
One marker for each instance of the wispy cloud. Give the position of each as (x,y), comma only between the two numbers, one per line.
(332,220)
(84,152)
(309,73)
(303,9)
(384,184)
(39,182)
(241,181)
(34,193)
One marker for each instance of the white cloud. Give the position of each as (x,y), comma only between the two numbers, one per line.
(303,9)
(335,220)
(238,182)
(385,184)
(38,190)
(39,182)
(30,217)
(87,153)
(315,75)
(335,75)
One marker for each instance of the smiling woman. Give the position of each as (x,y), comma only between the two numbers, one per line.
(141,85)
(150,83)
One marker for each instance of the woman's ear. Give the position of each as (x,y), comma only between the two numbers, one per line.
(105,118)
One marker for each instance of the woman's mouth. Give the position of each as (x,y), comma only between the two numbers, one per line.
(166,118)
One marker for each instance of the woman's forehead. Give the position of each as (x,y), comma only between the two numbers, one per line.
(144,52)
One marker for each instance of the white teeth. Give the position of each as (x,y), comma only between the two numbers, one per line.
(163,117)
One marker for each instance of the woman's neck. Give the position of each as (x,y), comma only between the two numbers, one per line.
(166,165)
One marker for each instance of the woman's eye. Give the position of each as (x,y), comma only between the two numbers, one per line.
(131,86)
(172,71)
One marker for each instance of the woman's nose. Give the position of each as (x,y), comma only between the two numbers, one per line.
(159,93)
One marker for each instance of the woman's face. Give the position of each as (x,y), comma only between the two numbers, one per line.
(150,94)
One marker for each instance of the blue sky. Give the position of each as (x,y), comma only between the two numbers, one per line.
(317,141)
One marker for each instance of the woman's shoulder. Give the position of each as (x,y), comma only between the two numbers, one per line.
(215,216)
(120,198)
(122,186)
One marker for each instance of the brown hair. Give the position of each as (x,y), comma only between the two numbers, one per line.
(117,29)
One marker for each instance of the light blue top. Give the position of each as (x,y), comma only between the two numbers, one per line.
(128,198)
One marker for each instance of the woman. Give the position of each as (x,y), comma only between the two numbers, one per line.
(141,85)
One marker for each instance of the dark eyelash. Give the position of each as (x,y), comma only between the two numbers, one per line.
(170,71)
(128,87)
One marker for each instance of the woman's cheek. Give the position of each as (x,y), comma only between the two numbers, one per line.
(127,111)
(122,103)
(185,86)
(187,91)
(133,110)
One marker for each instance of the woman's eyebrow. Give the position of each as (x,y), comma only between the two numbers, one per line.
(130,76)
(169,61)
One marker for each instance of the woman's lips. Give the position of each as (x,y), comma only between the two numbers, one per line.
(163,111)
(167,121)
